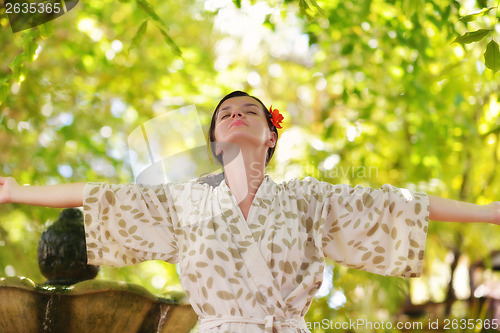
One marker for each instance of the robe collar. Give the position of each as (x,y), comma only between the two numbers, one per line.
(255,266)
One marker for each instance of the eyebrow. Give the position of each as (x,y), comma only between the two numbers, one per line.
(244,105)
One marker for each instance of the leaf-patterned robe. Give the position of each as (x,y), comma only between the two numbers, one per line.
(261,273)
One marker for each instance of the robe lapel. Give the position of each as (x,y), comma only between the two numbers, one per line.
(265,287)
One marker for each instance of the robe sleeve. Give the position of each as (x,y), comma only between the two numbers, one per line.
(382,231)
(128,224)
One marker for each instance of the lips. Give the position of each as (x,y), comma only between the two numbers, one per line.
(237,122)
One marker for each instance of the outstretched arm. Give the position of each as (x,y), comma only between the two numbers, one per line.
(442,209)
(57,196)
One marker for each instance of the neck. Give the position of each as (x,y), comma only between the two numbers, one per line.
(244,174)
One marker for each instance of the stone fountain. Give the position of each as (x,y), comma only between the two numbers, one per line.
(71,302)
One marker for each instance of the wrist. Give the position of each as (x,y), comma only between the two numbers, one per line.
(14,194)
(495,206)
(10,190)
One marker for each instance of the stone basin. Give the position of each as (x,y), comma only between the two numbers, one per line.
(93,306)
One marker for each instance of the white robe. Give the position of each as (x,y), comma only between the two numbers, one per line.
(261,273)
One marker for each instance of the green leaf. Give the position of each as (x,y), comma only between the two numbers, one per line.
(267,23)
(18,60)
(46,30)
(4,90)
(492,56)
(237,3)
(307,9)
(29,35)
(138,35)
(151,12)
(409,7)
(474,16)
(171,42)
(482,3)
(31,50)
(315,4)
(5,78)
(474,36)
(303,6)
(159,22)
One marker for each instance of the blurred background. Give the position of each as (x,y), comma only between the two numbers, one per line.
(373,92)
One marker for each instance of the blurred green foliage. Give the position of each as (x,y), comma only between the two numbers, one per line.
(373,91)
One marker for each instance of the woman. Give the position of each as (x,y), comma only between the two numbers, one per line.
(250,251)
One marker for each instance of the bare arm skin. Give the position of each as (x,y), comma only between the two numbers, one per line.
(442,209)
(57,196)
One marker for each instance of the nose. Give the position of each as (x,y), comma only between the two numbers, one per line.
(236,112)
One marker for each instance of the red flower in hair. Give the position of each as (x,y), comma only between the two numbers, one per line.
(276,117)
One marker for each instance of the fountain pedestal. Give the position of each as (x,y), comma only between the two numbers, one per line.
(93,306)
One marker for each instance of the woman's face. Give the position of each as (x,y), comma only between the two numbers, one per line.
(241,120)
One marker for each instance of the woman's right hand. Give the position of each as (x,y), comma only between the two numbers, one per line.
(7,186)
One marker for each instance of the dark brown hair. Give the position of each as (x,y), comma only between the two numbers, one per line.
(211,131)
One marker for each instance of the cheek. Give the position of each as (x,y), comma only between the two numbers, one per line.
(267,131)
(216,133)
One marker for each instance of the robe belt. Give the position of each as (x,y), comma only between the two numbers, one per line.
(269,322)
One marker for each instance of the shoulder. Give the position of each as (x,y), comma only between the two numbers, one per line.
(174,188)
(308,185)
(210,180)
